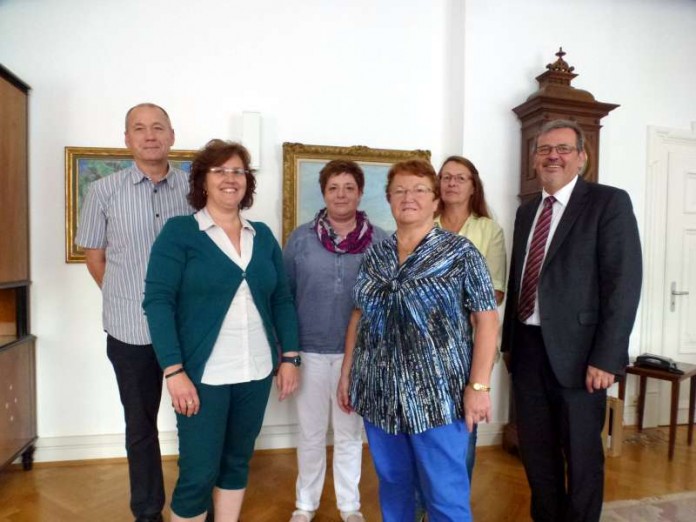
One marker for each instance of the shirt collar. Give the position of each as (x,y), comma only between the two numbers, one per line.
(563,194)
(205,221)
(138,176)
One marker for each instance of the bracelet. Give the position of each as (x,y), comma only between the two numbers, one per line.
(175,372)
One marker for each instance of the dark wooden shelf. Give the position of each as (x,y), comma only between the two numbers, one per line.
(17,345)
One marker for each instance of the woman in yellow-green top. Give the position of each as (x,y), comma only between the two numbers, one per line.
(463,210)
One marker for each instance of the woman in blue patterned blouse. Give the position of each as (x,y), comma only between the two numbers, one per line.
(412,369)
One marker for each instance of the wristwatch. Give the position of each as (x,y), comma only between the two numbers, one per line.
(477,386)
(295,361)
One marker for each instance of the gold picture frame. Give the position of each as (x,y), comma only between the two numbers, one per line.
(302,196)
(84,165)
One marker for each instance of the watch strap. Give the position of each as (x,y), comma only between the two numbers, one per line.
(295,360)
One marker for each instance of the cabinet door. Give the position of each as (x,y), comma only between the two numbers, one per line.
(14,197)
(17,399)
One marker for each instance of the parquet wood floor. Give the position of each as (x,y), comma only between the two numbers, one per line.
(97,490)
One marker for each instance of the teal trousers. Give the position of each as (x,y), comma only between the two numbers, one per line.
(215,445)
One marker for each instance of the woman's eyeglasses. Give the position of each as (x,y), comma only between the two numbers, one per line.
(417,191)
(223,171)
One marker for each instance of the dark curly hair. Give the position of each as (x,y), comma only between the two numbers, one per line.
(214,154)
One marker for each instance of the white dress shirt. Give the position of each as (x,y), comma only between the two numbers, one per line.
(562,197)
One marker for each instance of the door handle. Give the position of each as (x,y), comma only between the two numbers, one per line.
(673,294)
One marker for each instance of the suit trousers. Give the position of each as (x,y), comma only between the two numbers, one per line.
(139,380)
(316,404)
(559,433)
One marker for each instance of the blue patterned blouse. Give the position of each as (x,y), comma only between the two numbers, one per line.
(412,356)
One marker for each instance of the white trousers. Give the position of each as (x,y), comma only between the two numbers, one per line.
(316,403)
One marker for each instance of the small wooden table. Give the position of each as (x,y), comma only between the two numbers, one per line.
(675,378)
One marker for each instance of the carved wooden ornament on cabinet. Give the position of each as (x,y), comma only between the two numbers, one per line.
(557,99)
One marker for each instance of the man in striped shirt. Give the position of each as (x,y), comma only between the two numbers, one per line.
(119,221)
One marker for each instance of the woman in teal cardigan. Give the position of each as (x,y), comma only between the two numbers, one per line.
(218,304)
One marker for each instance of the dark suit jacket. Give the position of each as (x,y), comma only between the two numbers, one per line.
(589,285)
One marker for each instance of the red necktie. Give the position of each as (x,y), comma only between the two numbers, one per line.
(535,258)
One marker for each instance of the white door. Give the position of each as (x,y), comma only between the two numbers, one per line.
(668,304)
(679,331)
(680,265)
(669,300)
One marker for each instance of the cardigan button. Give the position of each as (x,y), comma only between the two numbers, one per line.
(243,275)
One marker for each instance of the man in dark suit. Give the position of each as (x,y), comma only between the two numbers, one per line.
(573,291)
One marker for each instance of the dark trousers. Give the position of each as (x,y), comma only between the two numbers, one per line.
(139,380)
(559,433)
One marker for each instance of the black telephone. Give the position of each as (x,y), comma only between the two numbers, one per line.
(658,362)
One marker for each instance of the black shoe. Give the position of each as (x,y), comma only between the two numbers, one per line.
(150,518)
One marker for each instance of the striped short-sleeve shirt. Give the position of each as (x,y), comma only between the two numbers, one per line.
(123,213)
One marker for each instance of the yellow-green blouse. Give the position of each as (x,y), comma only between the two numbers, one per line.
(487,237)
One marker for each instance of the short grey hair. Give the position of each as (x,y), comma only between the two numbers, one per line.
(563,124)
(152,106)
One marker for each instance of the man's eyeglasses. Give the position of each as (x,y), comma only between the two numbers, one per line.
(222,171)
(545,150)
(417,191)
(460,180)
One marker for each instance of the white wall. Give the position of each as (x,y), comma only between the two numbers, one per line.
(635,53)
(436,74)
(320,72)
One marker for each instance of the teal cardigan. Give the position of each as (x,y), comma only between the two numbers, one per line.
(190,284)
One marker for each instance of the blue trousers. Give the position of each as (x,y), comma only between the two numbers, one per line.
(433,462)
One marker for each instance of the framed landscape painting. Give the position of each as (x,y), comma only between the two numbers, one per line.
(302,197)
(84,165)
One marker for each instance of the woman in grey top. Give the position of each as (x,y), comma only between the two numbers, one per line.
(322,258)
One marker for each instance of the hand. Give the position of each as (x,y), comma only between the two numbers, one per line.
(597,379)
(477,407)
(183,393)
(342,396)
(287,380)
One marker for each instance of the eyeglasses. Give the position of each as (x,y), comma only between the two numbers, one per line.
(460,179)
(545,150)
(222,171)
(417,191)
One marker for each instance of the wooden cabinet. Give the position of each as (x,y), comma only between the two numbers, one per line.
(17,356)
(17,402)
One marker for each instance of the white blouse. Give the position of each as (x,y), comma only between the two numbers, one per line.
(241,352)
